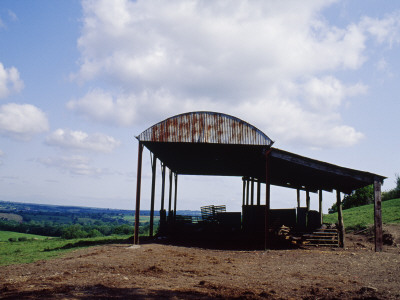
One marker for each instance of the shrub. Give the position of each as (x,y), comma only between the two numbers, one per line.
(393,193)
(74,232)
(358,197)
(123,229)
(94,233)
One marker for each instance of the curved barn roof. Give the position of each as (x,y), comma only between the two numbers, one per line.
(205,127)
(209,143)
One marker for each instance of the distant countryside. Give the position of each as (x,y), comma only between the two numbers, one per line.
(70,222)
(67,222)
(29,232)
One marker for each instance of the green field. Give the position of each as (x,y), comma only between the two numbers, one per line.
(54,230)
(5,235)
(363,216)
(33,250)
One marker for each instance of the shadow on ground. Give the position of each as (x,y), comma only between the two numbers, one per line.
(208,241)
(86,243)
(100,291)
(222,242)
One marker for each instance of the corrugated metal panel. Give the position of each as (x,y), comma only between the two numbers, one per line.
(205,127)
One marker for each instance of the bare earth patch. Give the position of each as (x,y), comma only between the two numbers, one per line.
(155,270)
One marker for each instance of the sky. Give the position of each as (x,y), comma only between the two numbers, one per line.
(79,80)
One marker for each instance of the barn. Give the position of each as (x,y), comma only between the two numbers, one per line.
(211,143)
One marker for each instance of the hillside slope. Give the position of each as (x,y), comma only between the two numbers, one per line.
(362,216)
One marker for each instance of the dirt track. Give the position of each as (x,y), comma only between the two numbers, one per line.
(175,272)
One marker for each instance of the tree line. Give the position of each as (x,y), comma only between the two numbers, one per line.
(70,231)
(365,196)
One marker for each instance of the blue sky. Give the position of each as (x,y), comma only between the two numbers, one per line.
(79,80)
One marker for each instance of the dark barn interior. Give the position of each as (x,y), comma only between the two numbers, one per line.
(209,143)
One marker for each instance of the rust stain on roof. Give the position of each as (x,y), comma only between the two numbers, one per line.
(205,127)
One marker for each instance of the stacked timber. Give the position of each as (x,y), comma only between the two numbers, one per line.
(284,232)
(322,237)
(285,235)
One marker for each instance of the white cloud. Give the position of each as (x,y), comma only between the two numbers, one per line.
(75,165)
(291,123)
(386,30)
(382,65)
(22,121)
(328,93)
(82,141)
(126,108)
(101,106)
(1,153)
(9,81)
(261,60)
(13,17)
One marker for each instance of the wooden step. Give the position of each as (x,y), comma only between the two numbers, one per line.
(322,237)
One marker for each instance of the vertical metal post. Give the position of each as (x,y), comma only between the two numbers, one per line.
(244,191)
(170,195)
(138,186)
(267,198)
(308,208)
(378,216)
(252,191)
(247,191)
(320,207)
(163,216)
(176,193)
(298,197)
(162,186)
(258,193)
(340,219)
(153,192)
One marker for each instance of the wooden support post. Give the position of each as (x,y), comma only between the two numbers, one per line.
(244,191)
(258,193)
(340,219)
(153,192)
(320,207)
(252,191)
(247,191)
(176,194)
(298,197)
(267,199)
(138,186)
(378,216)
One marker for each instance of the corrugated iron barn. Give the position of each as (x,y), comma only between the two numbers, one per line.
(209,143)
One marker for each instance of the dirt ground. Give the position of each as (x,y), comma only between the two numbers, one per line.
(161,270)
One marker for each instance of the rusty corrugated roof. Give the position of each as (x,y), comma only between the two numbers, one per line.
(205,127)
(208,143)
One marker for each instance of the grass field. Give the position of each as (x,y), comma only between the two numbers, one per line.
(33,250)
(142,219)
(363,216)
(5,235)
